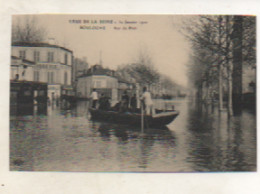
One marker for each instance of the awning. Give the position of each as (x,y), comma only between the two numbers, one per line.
(67,88)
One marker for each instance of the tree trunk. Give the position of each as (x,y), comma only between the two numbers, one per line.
(220,90)
(199,93)
(230,89)
(229,66)
(220,81)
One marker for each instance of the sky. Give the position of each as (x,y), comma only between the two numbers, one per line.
(156,35)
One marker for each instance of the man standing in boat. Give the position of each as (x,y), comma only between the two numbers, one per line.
(147,99)
(94,97)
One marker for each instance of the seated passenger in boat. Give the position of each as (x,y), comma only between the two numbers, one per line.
(116,107)
(104,102)
(124,104)
(133,103)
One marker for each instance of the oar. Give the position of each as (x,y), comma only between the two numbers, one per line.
(142,117)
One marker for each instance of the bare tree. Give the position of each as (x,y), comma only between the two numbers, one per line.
(206,38)
(228,62)
(141,73)
(142,69)
(249,40)
(229,41)
(26,29)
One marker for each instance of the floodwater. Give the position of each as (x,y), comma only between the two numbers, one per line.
(198,140)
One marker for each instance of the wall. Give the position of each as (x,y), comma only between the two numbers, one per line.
(17,67)
(28,76)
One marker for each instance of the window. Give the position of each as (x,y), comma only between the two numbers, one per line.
(36,56)
(22,54)
(98,84)
(50,57)
(66,59)
(65,78)
(50,77)
(36,76)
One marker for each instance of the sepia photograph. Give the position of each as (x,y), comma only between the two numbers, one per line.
(133,93)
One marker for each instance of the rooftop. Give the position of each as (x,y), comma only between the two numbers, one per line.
(38,44)
(98,70)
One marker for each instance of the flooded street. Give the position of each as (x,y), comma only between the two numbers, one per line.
(199,139)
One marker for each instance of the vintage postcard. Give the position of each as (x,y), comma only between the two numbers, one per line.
(131,93)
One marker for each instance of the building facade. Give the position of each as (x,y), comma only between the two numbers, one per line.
(103,80)
(43,63)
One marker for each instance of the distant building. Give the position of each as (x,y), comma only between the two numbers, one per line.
(102,79)
(79,67)
(43,63)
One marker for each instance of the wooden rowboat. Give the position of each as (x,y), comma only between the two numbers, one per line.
(160,119)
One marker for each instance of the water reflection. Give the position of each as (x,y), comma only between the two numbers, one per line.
(105,132)
(200,139)
(216,142)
